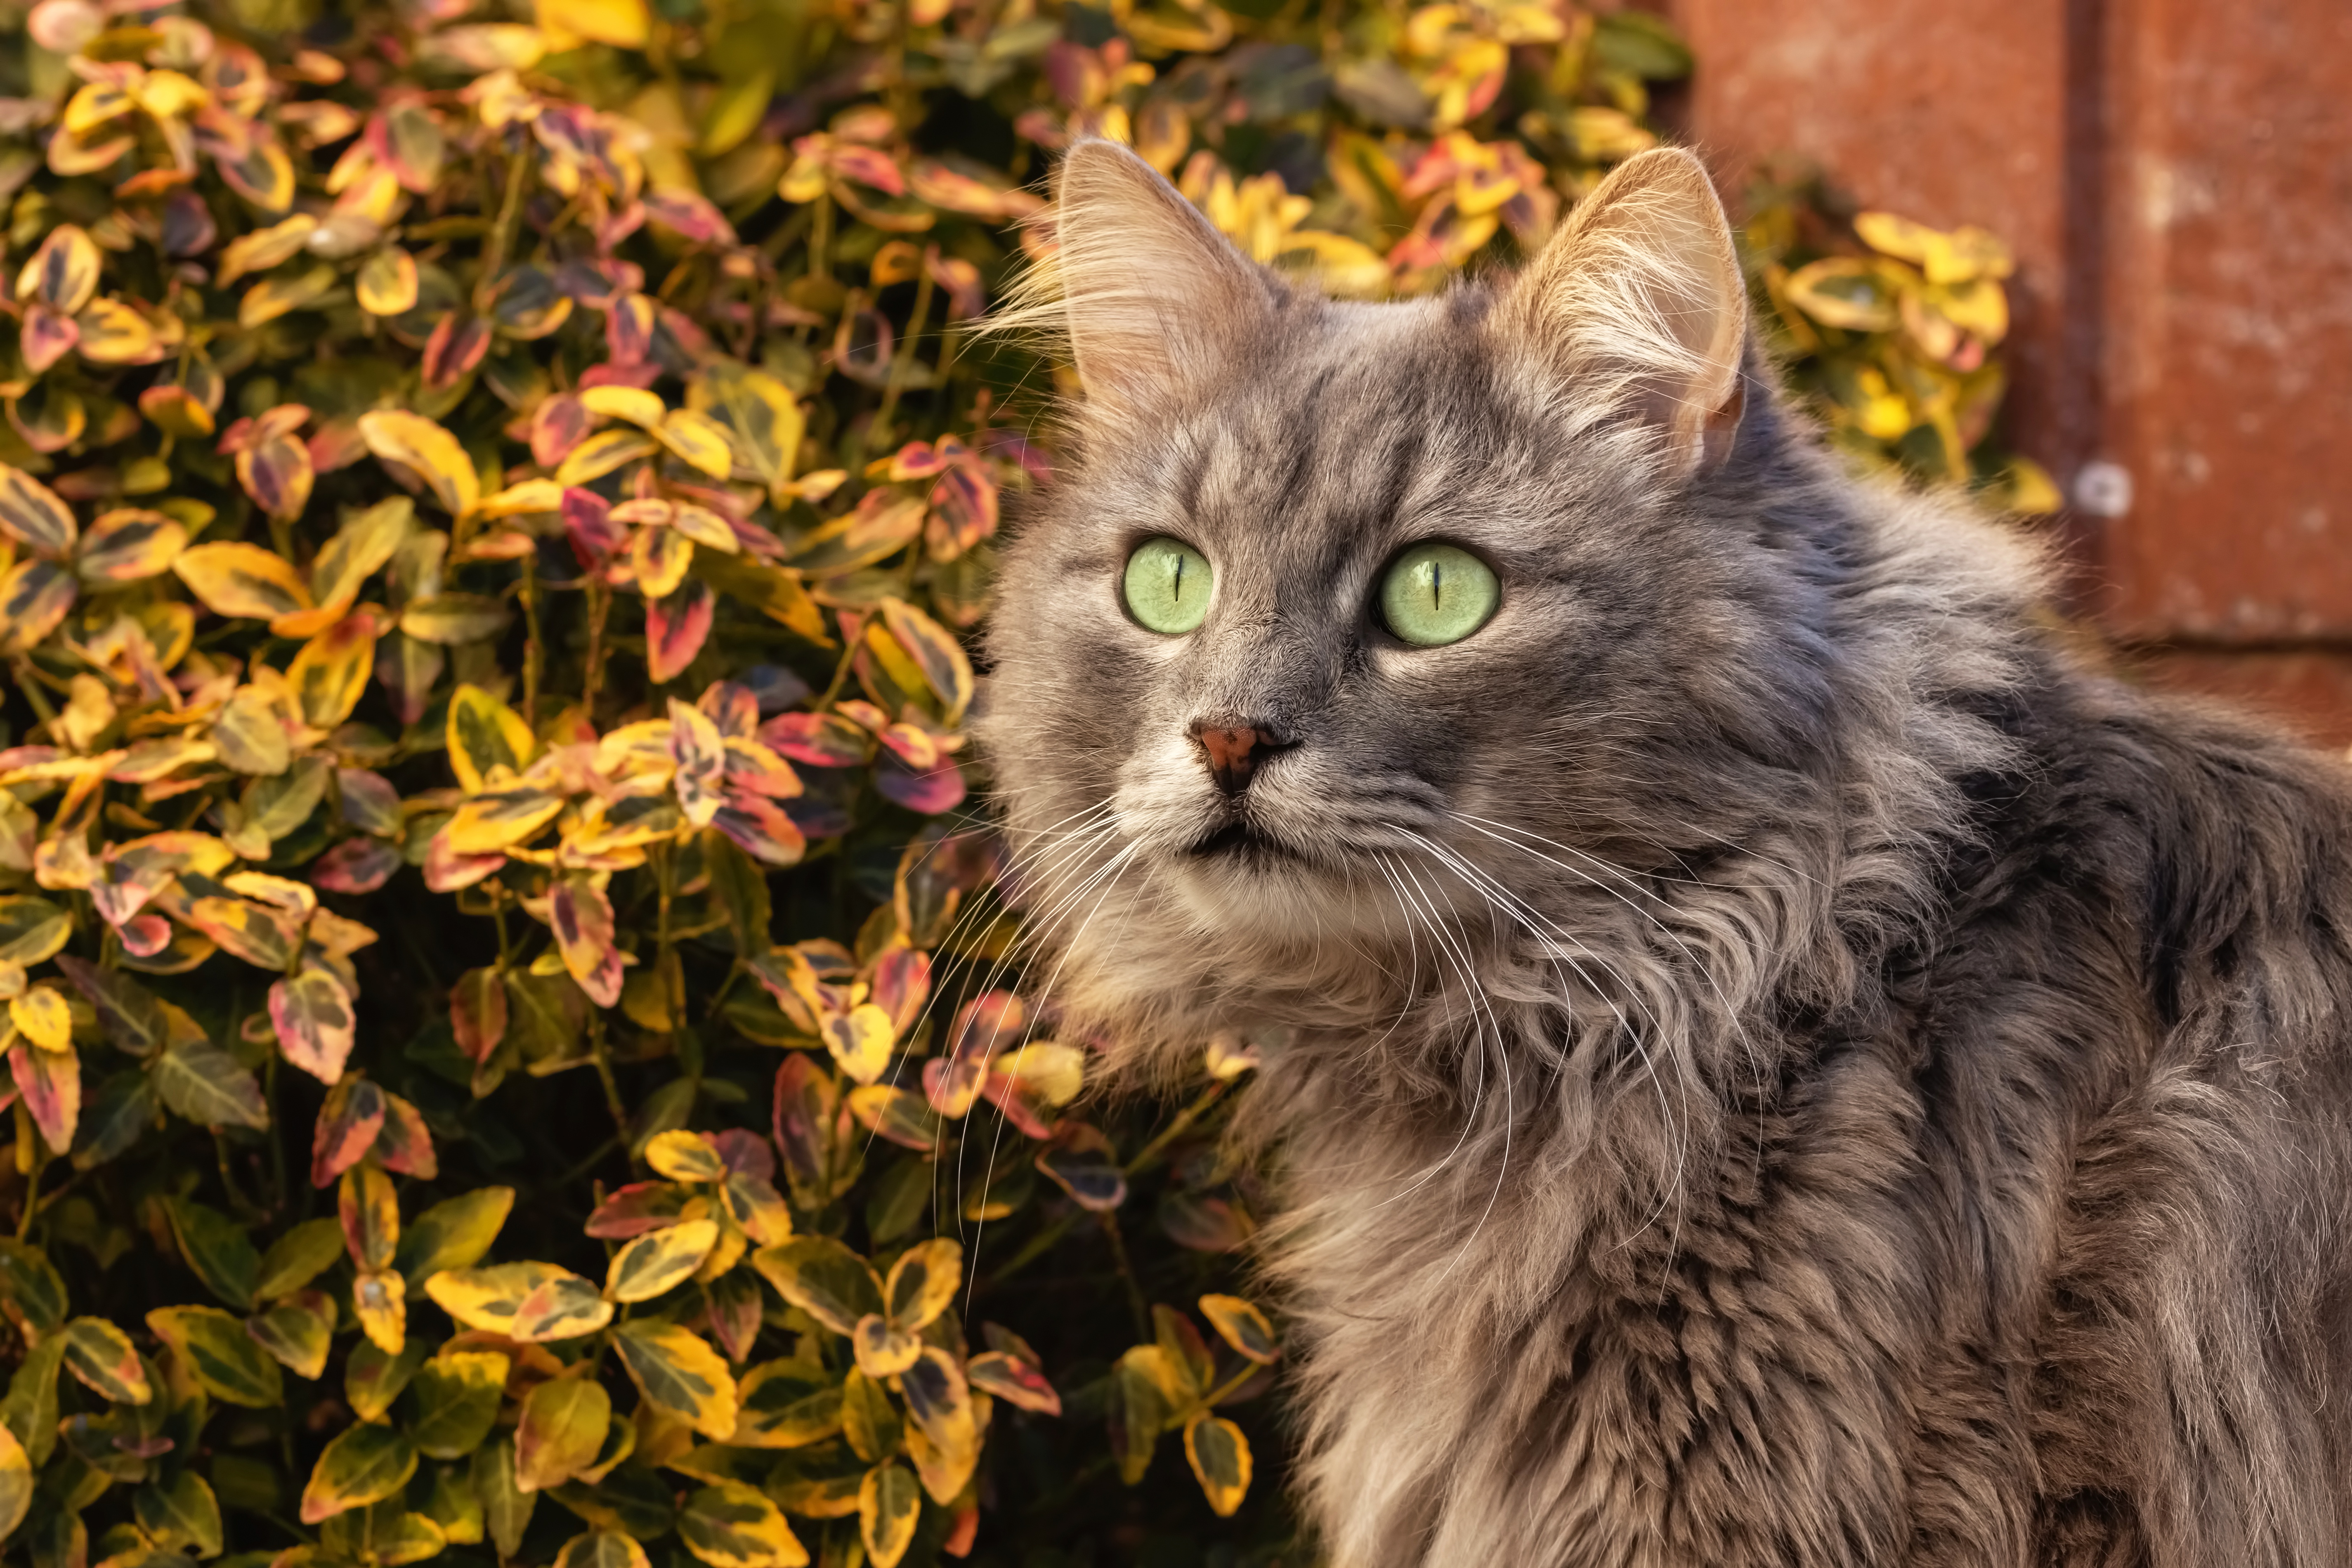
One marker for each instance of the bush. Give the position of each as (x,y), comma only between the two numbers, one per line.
(489,511)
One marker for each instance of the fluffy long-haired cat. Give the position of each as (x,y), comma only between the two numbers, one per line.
(1779,1065)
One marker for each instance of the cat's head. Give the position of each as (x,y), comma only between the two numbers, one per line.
(1351,623)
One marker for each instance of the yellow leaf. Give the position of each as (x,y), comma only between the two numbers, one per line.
(366,1463)
(700,440)
(42,1016)
(785,1405)
(1221,1459)
(731,1525)
(485,734)
(387,282)
(330,671)
(623,24)
(602,453)
(524,1301)
(562,1428)
(636,405)
(497,820)
(860,1041)
(1241,1326)
(678,1370)
(883,1351)
(684,1156)
(889,1505)
(114,334)
(16,1483)
(381,1302)
(1055,1073)
(242,581)
(922,1282)
(518,501)
(429,451)
(660,1259)
(63,273)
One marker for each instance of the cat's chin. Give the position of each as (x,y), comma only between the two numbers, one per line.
(1243,844)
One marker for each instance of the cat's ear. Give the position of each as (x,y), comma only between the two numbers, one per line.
(1153,296)
(1638,305)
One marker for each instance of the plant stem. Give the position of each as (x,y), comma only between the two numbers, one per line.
(1153,1151)
(1136,1304)
(604,1060)
(494,253)
(534,650)
(600,604)
(906,356)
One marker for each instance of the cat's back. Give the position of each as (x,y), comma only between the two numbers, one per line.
(2137,1033)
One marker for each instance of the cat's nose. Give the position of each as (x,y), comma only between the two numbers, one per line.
(1236,751)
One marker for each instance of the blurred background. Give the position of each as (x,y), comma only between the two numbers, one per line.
(2175,182)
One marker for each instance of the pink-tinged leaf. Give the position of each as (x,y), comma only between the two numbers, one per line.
(820,740)
(745,1151)
(902,984)
(50,1083)
(940,789)
(276,473)
(348,1122)
(752,769)
(676,625)
(176,411)
(49,336)
(588,523)
(405,1146)
(639,1207)
(952,1087)
(34,597)
(369,803)
(990,1022)
(732,707)
(869,166)
(1205,1225)
(407,667)
(583,919)
(144,936)
(760,829)
(558,425)
(629,330)
(188,227)
(312,1015)
(916,748)
(478,1013)
(807,1112)
(408,141)
(1010,1370)
(964,509)
(734,1305)
(690,216)
(32,514)
(355,866)
(455,347)
(446,871)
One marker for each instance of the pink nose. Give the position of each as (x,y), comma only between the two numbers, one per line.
(1233,752)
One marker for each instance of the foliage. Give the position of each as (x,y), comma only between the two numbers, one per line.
(489,505)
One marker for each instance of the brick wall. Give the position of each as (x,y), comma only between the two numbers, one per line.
(2175,178)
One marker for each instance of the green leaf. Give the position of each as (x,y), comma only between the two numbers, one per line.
(299,1257)
(601,1549)
(505,1505)
(298,1331)
(889,1505)
(868,1419)
(181,1512)
(453,1402)
(785,1405)
(1221,1460)
(219,1354)
(679,1371)
(562,1427)
(734,1526)
(31,1287)
(374,1378)
(453,1234)
(660,1259)
(102,1356)
(364,1464)
(1241,1326)
(31,1409)
(32,928)
(216,1246)
(209,1086)
(822,1277)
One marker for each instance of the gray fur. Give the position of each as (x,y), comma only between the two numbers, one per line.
(1785,1067)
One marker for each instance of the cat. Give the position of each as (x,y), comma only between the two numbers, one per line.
(1774,1059)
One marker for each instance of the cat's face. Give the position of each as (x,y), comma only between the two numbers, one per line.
(1350,614)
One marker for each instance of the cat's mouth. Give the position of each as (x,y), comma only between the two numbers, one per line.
(1240,839)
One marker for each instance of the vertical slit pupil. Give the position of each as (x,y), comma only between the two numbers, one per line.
(1436,584)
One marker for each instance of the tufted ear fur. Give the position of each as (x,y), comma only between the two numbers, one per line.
(1153,296)
(1637,307)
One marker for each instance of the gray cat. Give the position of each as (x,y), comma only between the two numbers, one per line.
(1782,1066)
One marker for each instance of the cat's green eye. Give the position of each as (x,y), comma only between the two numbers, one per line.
(1438,593)
(1167,586)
